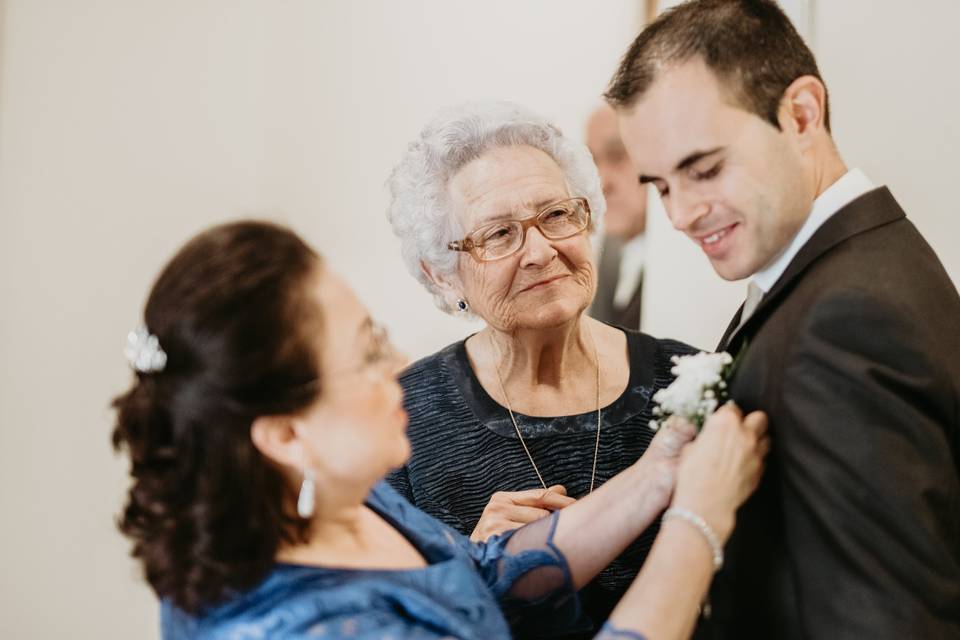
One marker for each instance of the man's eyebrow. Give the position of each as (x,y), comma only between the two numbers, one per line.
(693,158)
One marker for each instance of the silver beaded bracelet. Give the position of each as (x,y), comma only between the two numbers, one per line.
(702,527)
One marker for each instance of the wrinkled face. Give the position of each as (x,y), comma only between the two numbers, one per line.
(729,180)
(626,214)
(357,427)
(547,282)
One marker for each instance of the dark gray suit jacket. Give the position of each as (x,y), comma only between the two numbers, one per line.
(854,353)
(608,274)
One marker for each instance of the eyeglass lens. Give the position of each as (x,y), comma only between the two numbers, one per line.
(561,220)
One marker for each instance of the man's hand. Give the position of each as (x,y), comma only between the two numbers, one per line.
(509,510)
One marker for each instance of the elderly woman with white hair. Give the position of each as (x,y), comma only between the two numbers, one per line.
(494,208)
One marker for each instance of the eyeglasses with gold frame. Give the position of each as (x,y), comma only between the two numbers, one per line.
(556,221)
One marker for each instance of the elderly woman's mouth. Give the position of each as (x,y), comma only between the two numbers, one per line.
(543,283)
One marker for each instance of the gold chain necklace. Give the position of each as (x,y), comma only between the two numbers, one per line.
(503,391)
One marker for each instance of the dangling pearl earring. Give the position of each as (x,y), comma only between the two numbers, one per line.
(306,501)
(462,305)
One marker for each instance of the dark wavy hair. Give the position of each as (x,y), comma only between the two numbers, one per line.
(750,45)
(234,314)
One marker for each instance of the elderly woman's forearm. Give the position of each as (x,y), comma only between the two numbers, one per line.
(595,530)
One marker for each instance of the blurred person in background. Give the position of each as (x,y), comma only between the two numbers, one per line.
(621,260)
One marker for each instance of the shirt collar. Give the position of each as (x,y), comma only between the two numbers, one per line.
(849,187)
(632,252)
(631,270)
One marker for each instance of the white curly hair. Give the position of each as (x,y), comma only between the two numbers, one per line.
(419,210)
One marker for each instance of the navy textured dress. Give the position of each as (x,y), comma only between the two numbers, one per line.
(465,449)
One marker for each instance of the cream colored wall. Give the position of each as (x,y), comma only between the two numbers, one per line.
(895,90)
(125,127)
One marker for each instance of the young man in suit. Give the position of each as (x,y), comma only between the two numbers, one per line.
(849,339)
(620,270)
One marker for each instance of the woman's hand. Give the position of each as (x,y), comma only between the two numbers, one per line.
(662,458)
(509,510)
(722,467)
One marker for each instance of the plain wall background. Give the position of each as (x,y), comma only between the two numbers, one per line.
(127,125)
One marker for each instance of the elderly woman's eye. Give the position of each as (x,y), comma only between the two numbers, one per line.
(559,219)
(496,233)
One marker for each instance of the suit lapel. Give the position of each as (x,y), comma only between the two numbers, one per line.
(871,210)
(730,329)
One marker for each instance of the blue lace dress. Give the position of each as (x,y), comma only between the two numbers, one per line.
(467,591)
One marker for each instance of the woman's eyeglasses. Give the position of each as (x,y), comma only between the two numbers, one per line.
(503,238)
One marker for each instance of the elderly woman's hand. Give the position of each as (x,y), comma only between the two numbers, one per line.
(509,510)
(722,467)
(662,458)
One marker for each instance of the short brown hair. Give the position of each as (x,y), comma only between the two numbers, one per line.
(750,45)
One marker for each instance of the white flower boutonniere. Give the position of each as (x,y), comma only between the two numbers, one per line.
(699,388)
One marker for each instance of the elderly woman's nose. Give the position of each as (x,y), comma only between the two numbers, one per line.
(537,249)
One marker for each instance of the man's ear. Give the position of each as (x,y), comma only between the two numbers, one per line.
(449,286)
(276,438)
(803,109)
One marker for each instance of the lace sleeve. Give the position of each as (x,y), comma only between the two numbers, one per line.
(530,576)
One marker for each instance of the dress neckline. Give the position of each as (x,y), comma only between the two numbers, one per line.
(641,351)
(435,555)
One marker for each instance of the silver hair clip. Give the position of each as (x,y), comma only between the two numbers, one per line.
(143,351)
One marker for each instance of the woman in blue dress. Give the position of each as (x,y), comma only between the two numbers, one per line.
(264,415)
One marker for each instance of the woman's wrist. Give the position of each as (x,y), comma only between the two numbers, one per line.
(719,519)
(653,488)
(694,520)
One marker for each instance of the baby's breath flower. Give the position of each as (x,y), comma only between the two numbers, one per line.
(696,392)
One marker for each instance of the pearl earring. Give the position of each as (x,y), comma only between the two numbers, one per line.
(462,305)
(306,501)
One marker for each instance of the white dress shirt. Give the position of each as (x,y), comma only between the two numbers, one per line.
(632,255)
